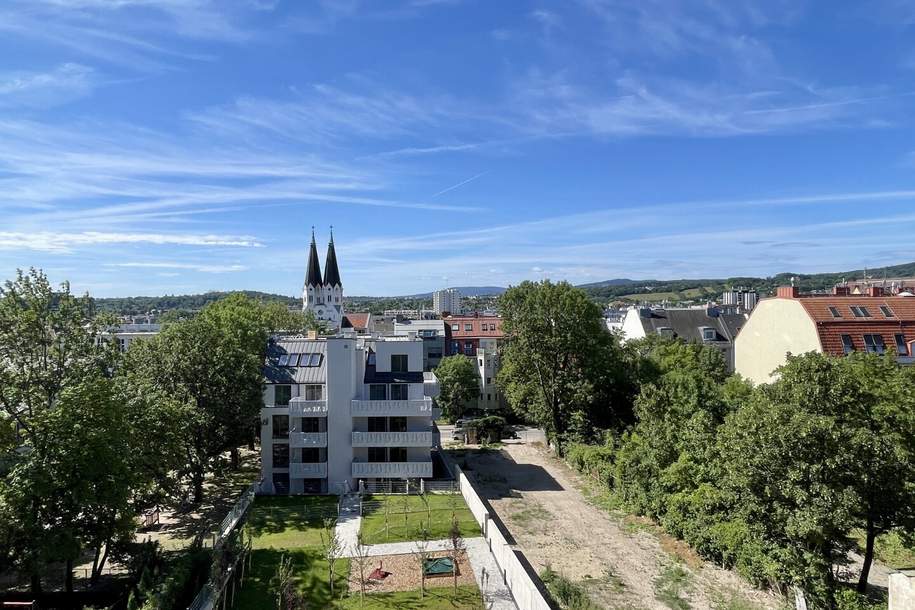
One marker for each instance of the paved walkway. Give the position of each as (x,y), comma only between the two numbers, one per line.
(348,523)
(485,570)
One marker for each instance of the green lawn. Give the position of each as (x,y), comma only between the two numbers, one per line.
(401,530)
(292,526)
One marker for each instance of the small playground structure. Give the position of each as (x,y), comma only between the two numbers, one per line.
(438,566)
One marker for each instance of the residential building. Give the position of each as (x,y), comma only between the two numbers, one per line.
(342,409)
(323,296)
(432,332)
(706,325)
(743,298)
(477,337)
(410,314)
(125,334)
(446,301)
(836,324)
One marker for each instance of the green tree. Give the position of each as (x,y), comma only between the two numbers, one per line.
(280,318)
(459,383)
(788,464)
(48,339)
(558,359)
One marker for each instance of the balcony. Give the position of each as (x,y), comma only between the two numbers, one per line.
(307,439)
(392,439)
(404,470)
(299,407)
(308,470)
(417,407)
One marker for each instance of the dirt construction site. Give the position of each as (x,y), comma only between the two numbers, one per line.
(620,561)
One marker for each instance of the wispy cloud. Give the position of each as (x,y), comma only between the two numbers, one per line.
(65,242)
(64,83)
(199,267)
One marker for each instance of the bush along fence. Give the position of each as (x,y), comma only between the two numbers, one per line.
(522,584)
(231,557)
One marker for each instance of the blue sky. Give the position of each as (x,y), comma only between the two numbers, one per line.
(177,146)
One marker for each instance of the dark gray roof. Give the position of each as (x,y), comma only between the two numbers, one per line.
(331,273)
(687,324)
(273,373)
(313,273)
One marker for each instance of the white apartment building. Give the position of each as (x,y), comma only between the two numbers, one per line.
(446,301)
(125,334)
(342,409)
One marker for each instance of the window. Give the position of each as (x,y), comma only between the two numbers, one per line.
(313,360)
(371,359)
(280,426)
(378,391)
(281,395)
(397,424)
(378,454)
(311,424)
(378,424)
(455,347)
(311,455)
(481,362)
(468,347)
(314,392)
(434,356)
(874,344)
(859,311)
(455,327)
(835,312)
(847,344)
(284,360)
(122,344)
(488,380)
(398,391)
(281,455)
(492,326)
(902,348)
(666,332)
(398,454)
(709,334)
(489,397)
(468,327)
(886,311)
(398,363)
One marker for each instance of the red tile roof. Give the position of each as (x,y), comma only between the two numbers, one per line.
(831,328)
(359,321)
(480,327)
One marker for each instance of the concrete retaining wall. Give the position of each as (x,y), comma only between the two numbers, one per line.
(527,595)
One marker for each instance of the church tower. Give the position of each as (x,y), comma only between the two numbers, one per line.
(323,295)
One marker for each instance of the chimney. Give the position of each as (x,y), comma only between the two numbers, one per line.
(312,333)
(840,291)
(875,291)
(788,292)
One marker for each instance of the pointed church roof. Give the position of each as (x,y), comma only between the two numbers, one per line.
(331,273)
(313,275)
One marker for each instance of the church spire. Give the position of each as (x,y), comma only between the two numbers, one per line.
(331,273)
(313,276)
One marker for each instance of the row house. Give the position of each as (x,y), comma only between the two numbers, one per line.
(835,324)
(477,337)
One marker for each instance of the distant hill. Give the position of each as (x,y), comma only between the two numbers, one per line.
(703,289)
(621,289)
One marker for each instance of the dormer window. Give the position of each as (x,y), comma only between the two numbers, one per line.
(666,332)
(874,344)
(848,346)
(835,312)
(902,348)
(886,311)
(859,312)
(709,334)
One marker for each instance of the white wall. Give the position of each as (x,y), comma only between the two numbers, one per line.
(776,327)
(632,325)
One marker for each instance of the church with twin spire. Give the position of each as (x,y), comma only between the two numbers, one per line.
(323,295)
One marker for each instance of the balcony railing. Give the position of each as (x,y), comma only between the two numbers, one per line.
(299,407)
(392,469)
(392,408)
(308,439)
(392,439)
(308,470)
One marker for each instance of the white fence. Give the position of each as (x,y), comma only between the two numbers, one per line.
(519,581)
